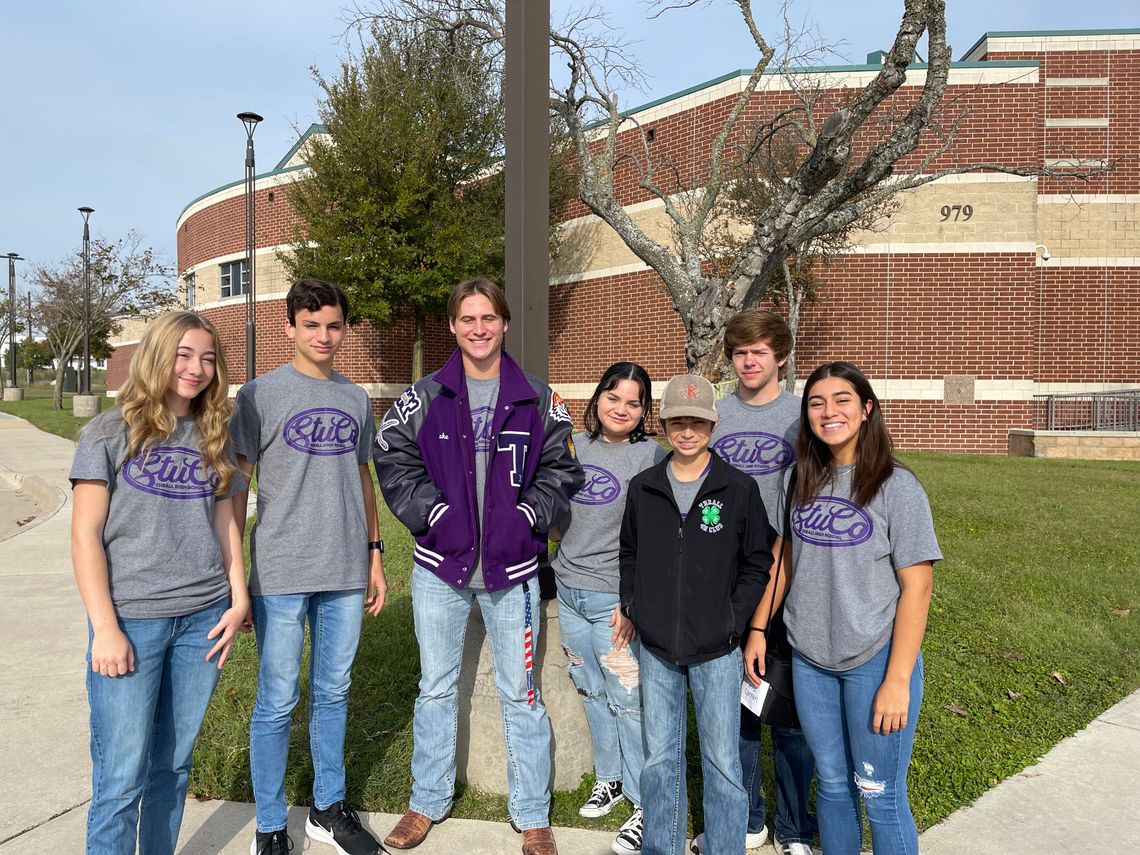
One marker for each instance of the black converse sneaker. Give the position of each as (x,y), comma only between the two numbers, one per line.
(602,799)
(340,827)
(628,841)
(271,843)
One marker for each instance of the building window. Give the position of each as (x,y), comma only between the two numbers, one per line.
(191,285)
(235,278)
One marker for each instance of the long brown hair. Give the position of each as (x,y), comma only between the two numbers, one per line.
(142,399)
(874,449)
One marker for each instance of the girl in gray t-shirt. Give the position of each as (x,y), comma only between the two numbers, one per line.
(158,562)
(862,549)
(599,640)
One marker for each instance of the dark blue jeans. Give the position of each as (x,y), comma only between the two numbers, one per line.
(794,767)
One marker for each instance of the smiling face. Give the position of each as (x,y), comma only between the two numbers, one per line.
(478,331)
(620,410)
(836,416)
(758,371)
(689,437)
(195,364)
(317,337)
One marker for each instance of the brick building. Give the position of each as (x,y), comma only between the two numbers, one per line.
(958,320)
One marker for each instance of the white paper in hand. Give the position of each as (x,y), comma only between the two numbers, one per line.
(753,696)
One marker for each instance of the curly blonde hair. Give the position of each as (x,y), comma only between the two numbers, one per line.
(142,399)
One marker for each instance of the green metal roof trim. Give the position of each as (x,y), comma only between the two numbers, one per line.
(1006,34)
(315,128)
(819,69)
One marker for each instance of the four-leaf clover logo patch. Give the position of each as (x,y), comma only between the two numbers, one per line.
(710,515)
(710,510)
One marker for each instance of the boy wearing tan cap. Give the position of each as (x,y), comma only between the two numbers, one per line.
(694,555)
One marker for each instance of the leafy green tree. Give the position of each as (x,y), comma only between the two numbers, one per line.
(402,198)
(32,356)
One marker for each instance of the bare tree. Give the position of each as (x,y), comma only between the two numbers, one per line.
(845,167)
(127,279)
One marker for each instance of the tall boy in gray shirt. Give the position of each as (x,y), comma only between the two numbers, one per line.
(315,553)
(756,433)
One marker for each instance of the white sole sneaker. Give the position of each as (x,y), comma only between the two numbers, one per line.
(320,835)
(594,813)
(755,841)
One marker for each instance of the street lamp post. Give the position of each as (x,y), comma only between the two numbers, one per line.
(85,386)
(15,394)
(250,121)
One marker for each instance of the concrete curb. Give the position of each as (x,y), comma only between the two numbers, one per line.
(46,497)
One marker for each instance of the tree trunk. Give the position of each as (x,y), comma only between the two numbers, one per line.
(795,299)
(418,347)
(57,393)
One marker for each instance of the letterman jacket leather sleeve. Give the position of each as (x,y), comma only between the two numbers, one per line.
(400,467)
(559,474)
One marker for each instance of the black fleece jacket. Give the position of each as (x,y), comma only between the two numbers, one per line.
(690,588)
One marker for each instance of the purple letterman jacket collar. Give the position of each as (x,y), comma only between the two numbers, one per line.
(513,383)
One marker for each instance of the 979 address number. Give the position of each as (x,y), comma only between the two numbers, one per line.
(957,212)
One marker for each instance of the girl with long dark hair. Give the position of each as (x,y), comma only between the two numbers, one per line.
(862,549)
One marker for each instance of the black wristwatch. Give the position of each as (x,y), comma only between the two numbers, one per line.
(376,544)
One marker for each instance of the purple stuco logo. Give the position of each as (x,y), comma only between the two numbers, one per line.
(828,521)
(322,432)
(481,419)
(600,487)
(171,471)
(755,452)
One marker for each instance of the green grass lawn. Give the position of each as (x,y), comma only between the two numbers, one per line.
(36,408)
(1033,632)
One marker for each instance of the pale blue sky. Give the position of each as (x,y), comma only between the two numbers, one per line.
(129,106)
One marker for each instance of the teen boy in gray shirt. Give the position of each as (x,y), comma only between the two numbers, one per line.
(315,552)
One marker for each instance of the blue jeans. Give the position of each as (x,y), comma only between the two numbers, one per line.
(794,768)
(715,685)
(334,628)
(441,614)
(853,762)
(143,727)
(608,681)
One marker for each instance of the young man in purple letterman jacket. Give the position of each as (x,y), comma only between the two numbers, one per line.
(476,461)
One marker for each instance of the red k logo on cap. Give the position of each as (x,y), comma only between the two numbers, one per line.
(691,391)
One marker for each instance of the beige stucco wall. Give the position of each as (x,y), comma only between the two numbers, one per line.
(1075,445)
(1091,229)
(272,278)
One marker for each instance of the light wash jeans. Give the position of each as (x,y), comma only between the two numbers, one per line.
(441,613)
(143,727)
(853,762)
(334,628)
(608,682)
(794,767)
(715,685)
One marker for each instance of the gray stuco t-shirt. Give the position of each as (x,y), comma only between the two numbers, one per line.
(163,558)
(685,492)
(841,607)
(588,555)
(481,395)
(308,437)
(759,440)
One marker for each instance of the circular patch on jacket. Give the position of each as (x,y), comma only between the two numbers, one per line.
(600,487)
(828,521)
(322,432)
(755,452)
(171,471)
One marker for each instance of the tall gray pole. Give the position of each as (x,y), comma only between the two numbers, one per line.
(527,91)
(250,121)
(12,259)
(85,386)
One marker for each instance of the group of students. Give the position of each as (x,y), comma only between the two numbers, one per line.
(666,574)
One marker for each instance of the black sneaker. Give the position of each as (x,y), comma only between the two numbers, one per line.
(340,827)
(628,841)
(271,843)
(602,799)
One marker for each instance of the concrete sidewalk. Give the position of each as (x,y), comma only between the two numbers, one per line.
(1079,798)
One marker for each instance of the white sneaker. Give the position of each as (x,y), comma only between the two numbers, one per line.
(794,848)
(602,799)
(628,841)
(751,841)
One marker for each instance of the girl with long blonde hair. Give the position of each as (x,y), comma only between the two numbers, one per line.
(158,562)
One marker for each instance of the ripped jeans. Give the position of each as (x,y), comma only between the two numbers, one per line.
(609,683)
(853,763)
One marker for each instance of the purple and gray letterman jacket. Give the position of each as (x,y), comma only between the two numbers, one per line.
(425,462)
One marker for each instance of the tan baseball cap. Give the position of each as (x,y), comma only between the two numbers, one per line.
(689,395)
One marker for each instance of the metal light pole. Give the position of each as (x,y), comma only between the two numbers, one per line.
(12,259)
(85,386)
(250,121)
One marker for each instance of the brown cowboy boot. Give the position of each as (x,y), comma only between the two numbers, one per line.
(538,841)
(410,831)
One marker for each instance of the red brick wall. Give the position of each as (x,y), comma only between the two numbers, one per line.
(219,229)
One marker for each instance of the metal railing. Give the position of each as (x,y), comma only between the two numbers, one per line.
(1117,411)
